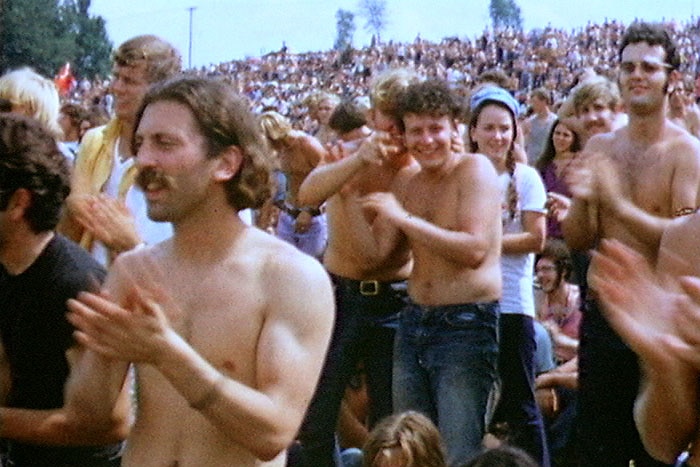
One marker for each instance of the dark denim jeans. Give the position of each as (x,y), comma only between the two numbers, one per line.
(445,366)
(609,376)
(365,325)
(517,405)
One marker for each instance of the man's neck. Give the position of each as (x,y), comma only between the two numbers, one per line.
(19,253)
(648,128)
(207,234)
(542,114)
(126,131)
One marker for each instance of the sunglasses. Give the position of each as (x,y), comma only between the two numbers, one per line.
(647,67)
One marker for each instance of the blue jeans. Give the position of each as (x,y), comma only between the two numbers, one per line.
(365,325)
(312,242)
(445,366)
(517,405)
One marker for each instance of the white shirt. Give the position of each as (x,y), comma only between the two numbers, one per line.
(518,269)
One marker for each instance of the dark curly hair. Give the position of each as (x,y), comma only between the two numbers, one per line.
(431,97)
(652,34)
(30,160)
(224,118)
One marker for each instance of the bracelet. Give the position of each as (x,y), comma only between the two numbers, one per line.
(684,212)
(210,396)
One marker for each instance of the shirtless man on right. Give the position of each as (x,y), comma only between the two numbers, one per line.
(303,226)
(633,182)
(369,287)
(227,326)
(447,343)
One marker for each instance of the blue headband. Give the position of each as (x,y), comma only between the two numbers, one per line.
(494,93)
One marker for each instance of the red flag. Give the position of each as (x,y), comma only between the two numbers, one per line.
(65,81)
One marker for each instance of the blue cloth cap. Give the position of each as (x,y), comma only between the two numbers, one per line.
(493,93)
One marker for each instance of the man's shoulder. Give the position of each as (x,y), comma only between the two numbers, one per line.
(475,162)
(281,267)
(73,267)
(681,140)
(95,134)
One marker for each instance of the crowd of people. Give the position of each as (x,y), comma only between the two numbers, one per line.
(471,253)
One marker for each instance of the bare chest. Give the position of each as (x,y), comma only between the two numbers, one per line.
(221,319)
(646,177)
(435,202)
(372,180)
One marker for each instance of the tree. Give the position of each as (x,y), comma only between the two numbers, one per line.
(345,27)
(45,34)
(374,12)
(94,48)
(505,13)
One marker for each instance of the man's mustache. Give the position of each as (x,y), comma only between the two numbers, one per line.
(153,179)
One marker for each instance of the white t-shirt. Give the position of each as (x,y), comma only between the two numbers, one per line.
(149,231)
(518,269)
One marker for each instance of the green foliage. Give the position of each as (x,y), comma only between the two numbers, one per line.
(374,12)
(45,34)
(505,13)
(345,27)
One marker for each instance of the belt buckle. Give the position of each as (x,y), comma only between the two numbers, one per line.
(369,288)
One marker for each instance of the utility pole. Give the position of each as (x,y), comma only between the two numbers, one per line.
(189,54)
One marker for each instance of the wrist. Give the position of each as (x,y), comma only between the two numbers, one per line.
(208,397)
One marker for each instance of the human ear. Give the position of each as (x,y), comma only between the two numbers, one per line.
(228,164)
(18,203)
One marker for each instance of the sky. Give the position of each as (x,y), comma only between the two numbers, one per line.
(223,30)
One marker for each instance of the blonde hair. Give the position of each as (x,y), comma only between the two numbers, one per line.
(38,95)
(410,438)
(162,59)
(274,125)
(388,86)
(313,101)
(594,89)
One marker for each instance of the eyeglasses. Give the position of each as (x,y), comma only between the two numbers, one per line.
(647,67)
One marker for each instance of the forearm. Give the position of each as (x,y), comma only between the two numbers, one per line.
(646,227)
(579,226)
(522,243)
(97,394)
(56,428)
(463,247)
(667,424)
(326,180)
(249,417)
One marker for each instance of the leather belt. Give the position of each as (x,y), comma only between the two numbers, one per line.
(295,211)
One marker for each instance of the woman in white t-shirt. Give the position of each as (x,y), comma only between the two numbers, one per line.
(492,130)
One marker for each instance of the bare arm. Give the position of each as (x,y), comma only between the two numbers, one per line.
(78,422)
(531,240)
(327,179)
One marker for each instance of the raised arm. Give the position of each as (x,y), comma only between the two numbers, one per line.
(328,178)
(580,225)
